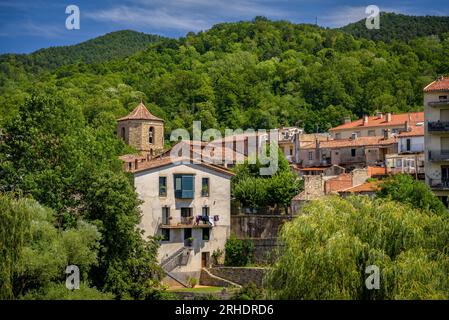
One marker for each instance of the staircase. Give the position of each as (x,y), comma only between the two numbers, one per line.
(179,258)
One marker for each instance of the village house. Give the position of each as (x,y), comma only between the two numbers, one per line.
(436,139)
(370,126)
(351,153)
(187,204)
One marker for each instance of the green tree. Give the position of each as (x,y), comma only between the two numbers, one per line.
(405,189)
(327,249)
(238,252)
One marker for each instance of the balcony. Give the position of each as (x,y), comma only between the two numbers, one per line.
(439,184)
(438,126)
(439,104)
(438,155)
(187,222)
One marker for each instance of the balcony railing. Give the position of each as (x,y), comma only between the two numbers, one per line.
(438,126)
(441,103)
(189,222)
(439,183)
(438,155)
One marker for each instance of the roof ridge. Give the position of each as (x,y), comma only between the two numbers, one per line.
(140,113)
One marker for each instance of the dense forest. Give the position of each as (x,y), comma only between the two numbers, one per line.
(110,46)
(400,27)
(58,111)
(261,74)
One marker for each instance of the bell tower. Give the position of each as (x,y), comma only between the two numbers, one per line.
(142,130)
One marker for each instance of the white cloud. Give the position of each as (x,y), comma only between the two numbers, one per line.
(183,15)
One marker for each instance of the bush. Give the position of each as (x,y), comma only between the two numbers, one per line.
(249,292)
(238,252)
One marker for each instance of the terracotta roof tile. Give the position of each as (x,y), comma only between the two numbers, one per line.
(140,113)
(441,84)
(372,186)
(415,131)
(358,142)
(375,121)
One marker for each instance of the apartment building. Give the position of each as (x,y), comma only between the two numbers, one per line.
(370,126)
(436,139)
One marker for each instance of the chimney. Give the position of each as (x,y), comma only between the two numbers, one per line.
(379,115)
(387,134)
(347,120)
(354,136)
(317,143)
(365,120)
(388,117)
(407,126)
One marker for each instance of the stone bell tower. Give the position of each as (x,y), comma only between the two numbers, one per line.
(142,130)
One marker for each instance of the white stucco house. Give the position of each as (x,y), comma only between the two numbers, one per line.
(188,205)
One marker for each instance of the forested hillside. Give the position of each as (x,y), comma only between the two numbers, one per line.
(113,45)
(400,27)
(260,74)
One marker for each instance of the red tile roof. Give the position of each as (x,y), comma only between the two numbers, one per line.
(415,131)
(372,186)
(358,142)
(140,113)
(165,161)
(375,121)
(441,84)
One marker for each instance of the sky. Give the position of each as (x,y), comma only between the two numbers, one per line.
(26,26)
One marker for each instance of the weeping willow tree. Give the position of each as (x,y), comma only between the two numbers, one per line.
(326,252)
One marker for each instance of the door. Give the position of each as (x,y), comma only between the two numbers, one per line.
(444,173)
(205,259)
(186,215)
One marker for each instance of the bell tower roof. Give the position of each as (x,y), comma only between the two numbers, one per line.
(140,113)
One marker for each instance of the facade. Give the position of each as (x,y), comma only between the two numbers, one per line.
(410,156)
(436,139)
(189,206)
(349,153)
(142,130)
(370,126)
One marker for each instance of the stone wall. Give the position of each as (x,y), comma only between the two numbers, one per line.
(257,226)
(240,275)
(265,250)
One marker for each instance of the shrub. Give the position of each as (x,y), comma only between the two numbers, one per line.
(238,252)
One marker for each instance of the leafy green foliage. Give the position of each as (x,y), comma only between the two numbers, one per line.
(405,189)
(238,252)
(35,254)
(327,249)
(395,26)
(249,292)
(254,190)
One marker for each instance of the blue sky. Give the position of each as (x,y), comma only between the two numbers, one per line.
(26,26)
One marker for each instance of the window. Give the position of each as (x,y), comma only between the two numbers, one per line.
(291,151)
(186,215)
(205,187)
(371,133)
(165,234)
(187,233)
(352,152)
(206,234)
(205,212)
(165,215)
(184,186)
(162,186)
(409,144)
(123,133)
(150,135)
(442,98)
(310,155)
(337,136)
